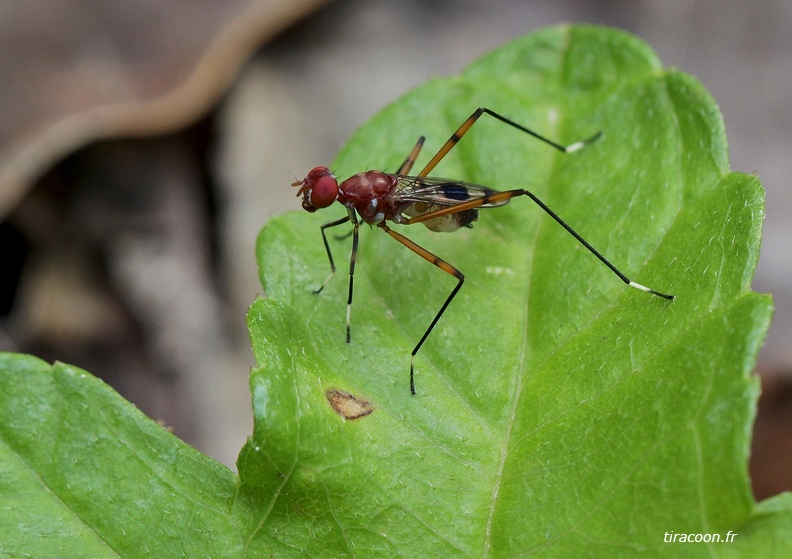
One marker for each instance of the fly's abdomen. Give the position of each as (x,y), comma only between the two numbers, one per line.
(444,223)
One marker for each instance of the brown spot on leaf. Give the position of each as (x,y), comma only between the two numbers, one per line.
(348,406)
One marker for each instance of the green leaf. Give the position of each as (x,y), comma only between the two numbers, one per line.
(84,474)
(559,413)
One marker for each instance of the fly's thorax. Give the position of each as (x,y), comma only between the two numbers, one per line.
(368,194)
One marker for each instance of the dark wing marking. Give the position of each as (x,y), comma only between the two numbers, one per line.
(437,191)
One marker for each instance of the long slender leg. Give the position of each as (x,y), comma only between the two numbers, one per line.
(405,167)
(592,250)
(352,261)
(505,196)
(443,265)
(508,195)
(456,136)
(327,248)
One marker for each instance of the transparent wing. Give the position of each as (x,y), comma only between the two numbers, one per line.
(437,191)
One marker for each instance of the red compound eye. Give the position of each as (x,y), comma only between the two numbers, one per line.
(324,191)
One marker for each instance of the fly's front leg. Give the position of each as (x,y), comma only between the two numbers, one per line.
(327,248)
(352,260)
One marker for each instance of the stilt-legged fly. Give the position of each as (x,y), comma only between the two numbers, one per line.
(443,205)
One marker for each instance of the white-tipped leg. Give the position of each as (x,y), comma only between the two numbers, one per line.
(318,290)
(349,314)
(580,145)
(650,290)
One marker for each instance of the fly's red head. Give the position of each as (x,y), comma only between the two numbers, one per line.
(319,189)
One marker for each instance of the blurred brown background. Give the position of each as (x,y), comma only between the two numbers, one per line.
(144,144)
